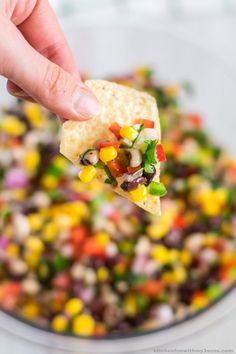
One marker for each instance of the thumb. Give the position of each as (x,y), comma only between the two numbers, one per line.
(43,80)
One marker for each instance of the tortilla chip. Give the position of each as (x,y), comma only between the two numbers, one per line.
(119,104)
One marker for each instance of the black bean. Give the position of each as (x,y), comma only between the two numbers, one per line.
(187,290)
(149,176)
(129,186)
(184,171)
(84,161)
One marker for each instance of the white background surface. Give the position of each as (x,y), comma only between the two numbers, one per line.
(215,30)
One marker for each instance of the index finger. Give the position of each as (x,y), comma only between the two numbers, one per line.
(47,37)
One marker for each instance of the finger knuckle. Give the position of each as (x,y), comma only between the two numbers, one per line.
(55,81)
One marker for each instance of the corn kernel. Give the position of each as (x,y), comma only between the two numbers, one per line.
(173,255)
(59,323)
(87,173)
(11,125)
(60,162)
(157,231)
(128,132)
(107,154)
(211,208)
(79,208)
(102,274)
(73,306)
(185,257)
(167,277)
(34,114)
(160,254)
(221,195)
(96,186)
(179,275)
(19,194)
(138,194)
(50,231)
(31,160)
(49,182)
(13,250)
(130,305)
(77,186)
(194,181)
(30,311)
(35,222)
(199,301)
(34,244)
(83,325)
(65,221)
(32,259)
(103,238)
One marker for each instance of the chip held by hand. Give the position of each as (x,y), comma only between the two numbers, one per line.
(121,146)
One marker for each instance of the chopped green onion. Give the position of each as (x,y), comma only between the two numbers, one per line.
(148,168)
(157,189)
(139,132)
(110,179)
(150,154)
(100,165)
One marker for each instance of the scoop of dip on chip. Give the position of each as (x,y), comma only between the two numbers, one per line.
(121,146)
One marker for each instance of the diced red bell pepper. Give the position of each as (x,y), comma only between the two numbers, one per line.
(151,287)
(179,222)
(92,248)
(116,167)
(10,289)
(115,129)
(200,295)
(78,236)
(224,273)
(195,119)
(9,295)
(160,153)
(115,216)
(103,144)
(146,123)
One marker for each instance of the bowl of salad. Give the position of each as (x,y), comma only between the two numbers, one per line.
(82,269)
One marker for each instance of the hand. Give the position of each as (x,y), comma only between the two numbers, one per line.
(37,61)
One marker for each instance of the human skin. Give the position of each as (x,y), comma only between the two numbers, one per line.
(38,63)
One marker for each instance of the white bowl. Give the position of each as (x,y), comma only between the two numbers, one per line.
(106,46)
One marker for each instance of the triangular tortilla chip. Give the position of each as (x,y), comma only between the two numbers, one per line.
(119,104)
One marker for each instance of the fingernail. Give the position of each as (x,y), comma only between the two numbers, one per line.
(21,94)
(86,105)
